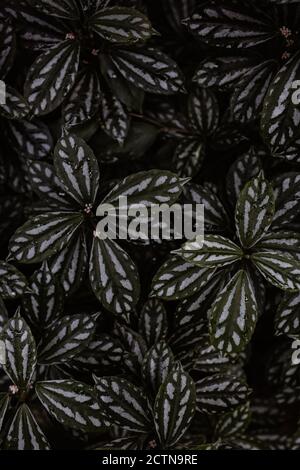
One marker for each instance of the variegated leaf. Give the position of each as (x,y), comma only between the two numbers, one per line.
(254,211)
(153,322)
(124,404)
(281,117)
(188,157)
(248,97)
(287,198)
(7,48)
(149,69)
(72,404)
(245,168)
(234,422)
(280,269)
(174,407)
(84,100)
(222,25)
(43,236)
(203,111)
(214,252)
(113,276)
(67,9)
(287,318)
(157,365)
(220,392)
(233,315)
(132,341)
(44,303)
(77,168)
(208,359)
(69,266)
(66,338)
(115,120)
(284,241)
(178,279)
(30,138)
(187,338)
(12,282)
(25,433)
(223,72)
(46,184)
(51,77)
(3,315)
(121,25)
(15,106)
(214,211)
(20,351)
(147,188)
(4,403)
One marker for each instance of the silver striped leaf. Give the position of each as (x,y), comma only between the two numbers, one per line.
(3,315)
(215,213)
(188,157)
(287,318)
(115,120)
(215,252)
(174,407)
(247,99)
(104,351)
(209,360)
(124,404)
(69,266)
(221,25)
(7,48)
(113,277)
(280,117)
(233,423)
(157,365)
(203,111)
(4,404)
(233,315)
(32,139)
(51,77)
(20,352)
(147,188)
(44,303)
(110,349)
(73,404)
(287,198)
(281,269)
(179,279)
(187,338)
(67,9)
(121,25)
(220,393)
(46,184)
(25,433)
(12,282)
(284,241)
(43,236)
(254,211)
(153,322)
(83,102)
(132,342)
(223,72)
(150,70)
(245,168)
(192,309)
(66,338)
(77,168)
(15,106)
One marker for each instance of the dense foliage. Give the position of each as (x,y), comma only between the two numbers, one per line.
(150,344)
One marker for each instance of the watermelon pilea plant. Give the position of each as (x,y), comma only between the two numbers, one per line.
(151,342)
